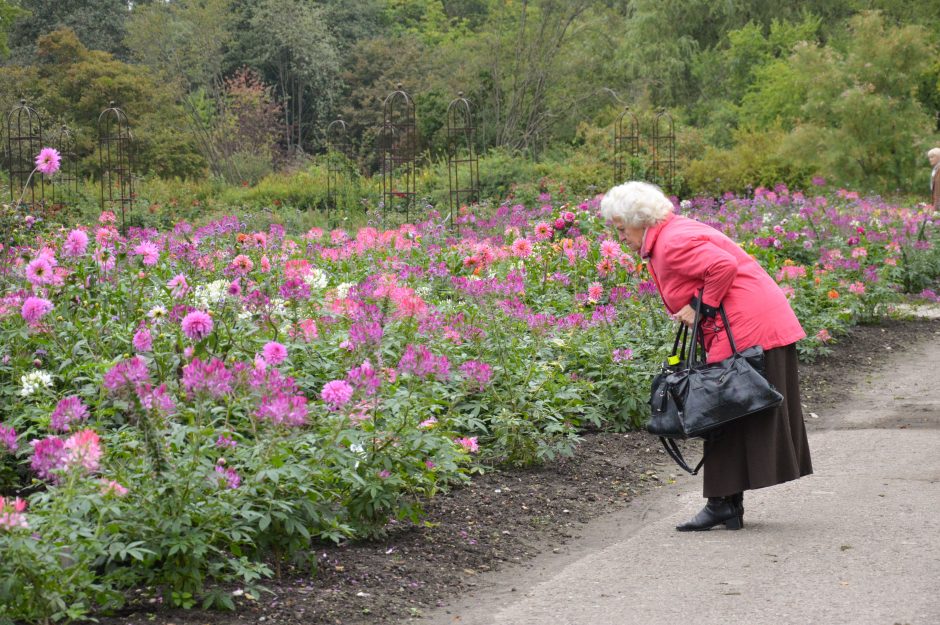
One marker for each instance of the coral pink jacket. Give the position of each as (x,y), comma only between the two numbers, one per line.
(684,256)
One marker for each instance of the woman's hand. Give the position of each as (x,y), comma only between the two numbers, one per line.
(686,315)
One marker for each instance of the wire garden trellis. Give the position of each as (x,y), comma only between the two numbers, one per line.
(463,162)
(24,141)
(626,146)
(115,157)
(661,147)
(65,184)
(337,167)
(397,147)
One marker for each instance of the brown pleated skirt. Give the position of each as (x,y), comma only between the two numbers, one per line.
(766,448)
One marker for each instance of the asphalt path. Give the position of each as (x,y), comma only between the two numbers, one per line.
(856,543)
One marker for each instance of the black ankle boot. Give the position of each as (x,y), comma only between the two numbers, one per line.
(737,500)
(718,510)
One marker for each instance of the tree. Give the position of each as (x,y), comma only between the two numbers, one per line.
(98,24)
(183,43)
(8,14)
(292,44)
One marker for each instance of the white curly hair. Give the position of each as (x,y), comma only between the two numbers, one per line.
(637,204)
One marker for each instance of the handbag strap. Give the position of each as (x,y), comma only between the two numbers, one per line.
(696,335)
(676,454)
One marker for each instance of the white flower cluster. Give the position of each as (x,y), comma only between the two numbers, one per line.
(316,279)
(207,295)
(342,290)
(33,381)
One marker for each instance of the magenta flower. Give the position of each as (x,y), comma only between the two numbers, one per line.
(35,308)
(130,372)
(83,450)
(68,410)
(12,513)
(48,457)
(230,476)
(274,353)
(142,341)
(197,325)
(225,441)
(39,271)
(477,372)
(8,438)
(207,378)
(178,286)
(76,244)
(110,487)
(281,408)
(521,248)
(336,393)
(48,161)
(149,252)
(469,444)
(158,398)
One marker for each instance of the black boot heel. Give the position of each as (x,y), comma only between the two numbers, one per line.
(735,523)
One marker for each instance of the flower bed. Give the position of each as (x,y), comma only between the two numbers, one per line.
(183,408)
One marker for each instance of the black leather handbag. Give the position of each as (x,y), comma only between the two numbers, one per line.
(690,398)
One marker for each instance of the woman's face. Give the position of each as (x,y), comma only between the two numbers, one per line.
(630,235)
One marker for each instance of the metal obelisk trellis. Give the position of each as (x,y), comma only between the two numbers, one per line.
(115,156)
(463,163)
(337,167)
(663,146)
(24,141)
(65,184)
(626,146)
(397,145)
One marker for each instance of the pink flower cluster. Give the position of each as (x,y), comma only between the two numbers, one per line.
(336,394)
(197,325)
(35,308)
(207,379)
(51,455)
(8,438)
(421,362)
(477,372)
(12,513)
(68,410)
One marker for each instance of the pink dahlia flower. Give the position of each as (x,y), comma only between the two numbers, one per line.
(336,393)
(197,325)
(76,244)
(48,161)
(35,308)
(274,353)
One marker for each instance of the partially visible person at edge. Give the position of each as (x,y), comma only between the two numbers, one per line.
(933,155)
(684,257)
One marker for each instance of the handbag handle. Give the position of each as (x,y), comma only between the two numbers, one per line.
(696,336)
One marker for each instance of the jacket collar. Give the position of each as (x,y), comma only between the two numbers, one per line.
(652,233)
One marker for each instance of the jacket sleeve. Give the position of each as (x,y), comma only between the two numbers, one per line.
(703,261)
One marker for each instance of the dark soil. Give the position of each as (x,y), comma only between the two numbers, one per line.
(505,517)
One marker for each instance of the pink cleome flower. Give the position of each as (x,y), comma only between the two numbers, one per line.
(83,450)
(8,438)
(48,457)
(469,444)
(69,410)
(12,513)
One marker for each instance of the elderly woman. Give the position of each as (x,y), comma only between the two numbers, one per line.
(687,258)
